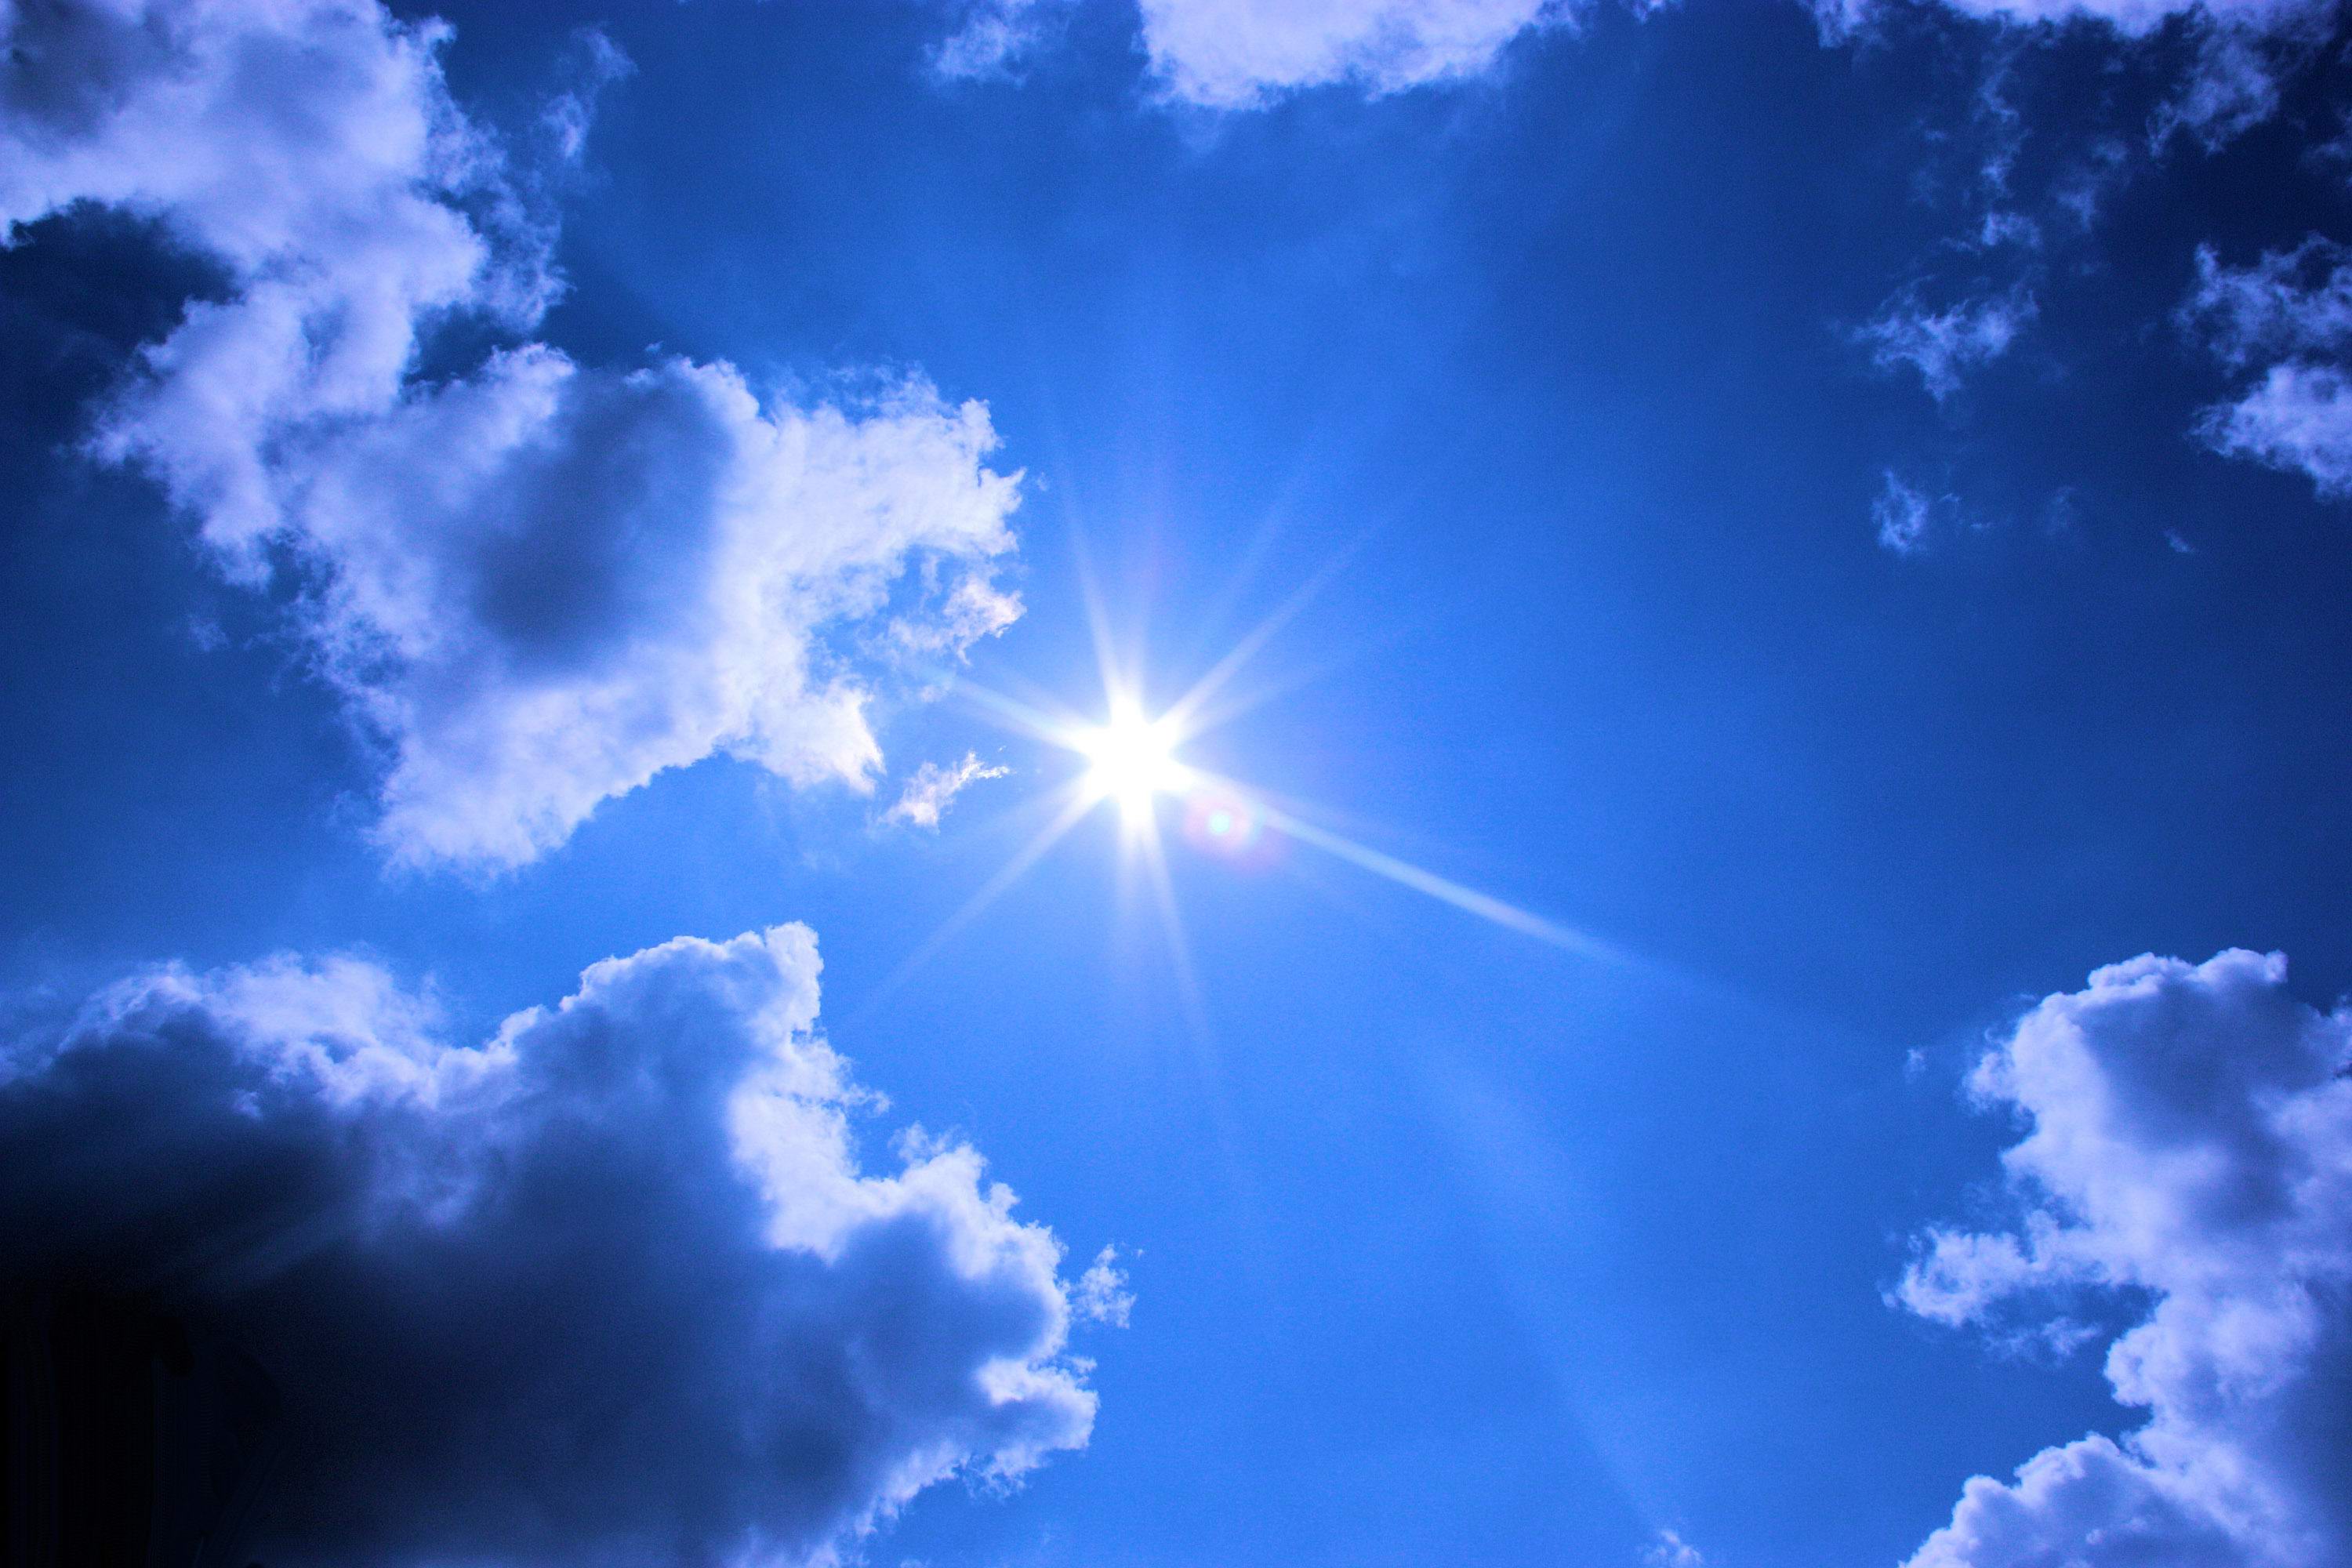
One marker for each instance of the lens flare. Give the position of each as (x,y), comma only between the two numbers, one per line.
(1223,823)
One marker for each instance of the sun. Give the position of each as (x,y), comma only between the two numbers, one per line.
(1133,760)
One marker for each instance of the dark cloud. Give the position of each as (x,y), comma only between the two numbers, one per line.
(608,1286)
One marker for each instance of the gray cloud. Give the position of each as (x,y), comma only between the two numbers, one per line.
(2188,1153)
(608,1286)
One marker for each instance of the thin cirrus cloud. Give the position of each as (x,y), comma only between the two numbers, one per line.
(536,584)
(1942,345)
(933,789)
(2187,1158)
(607,1286)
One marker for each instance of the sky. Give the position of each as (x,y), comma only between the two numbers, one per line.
(993,784)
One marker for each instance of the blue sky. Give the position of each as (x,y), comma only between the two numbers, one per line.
(1842,510)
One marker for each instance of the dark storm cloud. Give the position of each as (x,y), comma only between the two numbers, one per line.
(608,1287)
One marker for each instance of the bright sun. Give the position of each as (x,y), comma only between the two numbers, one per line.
(1132,760)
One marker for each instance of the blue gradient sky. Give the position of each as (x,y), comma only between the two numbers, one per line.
(1447,1246)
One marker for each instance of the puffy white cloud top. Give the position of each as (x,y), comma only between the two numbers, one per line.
(1240,54)
(1230,54)
(609,1286)
(2189,1147)
(539,583)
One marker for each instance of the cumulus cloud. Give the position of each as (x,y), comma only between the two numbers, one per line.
(537,583)
(1242,54)
(607,1286)
(2290,313)
(2187,1158)
(1942,344)
(934,788)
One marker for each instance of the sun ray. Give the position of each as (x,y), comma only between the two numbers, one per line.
(1184,713)
(1073,810)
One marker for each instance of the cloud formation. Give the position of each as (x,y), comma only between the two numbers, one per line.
(2188,1160)
(608,1286)
(2289,316)
(934,788)
(1243,54)
(2133,19)
(536,584)
(1942,344)
(1902,514)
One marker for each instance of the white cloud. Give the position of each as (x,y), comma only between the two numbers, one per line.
(1941,344)
(996,35)
(537,583)
(2233,87)
(1671,1550)
(2297,417)
(1101,1294)
(934,788)
(1233,54)
(1243,54)
(2291,313)
(607,1286)
(2292,300)
(2189,1150)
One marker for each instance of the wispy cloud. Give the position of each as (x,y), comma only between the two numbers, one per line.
(933,789)
(1942,344)
(1902,515)
(1671,1550)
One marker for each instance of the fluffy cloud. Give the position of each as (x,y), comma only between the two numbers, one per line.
(934,788)
(537,583)
(1240,53)
(2188,1156)
(2291,315)
(607,1286)
(1941,344)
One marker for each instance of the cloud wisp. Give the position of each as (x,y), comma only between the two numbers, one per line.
(934,788)
(607,1286)
(2187,1155)
(536,584)
(1943,345)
